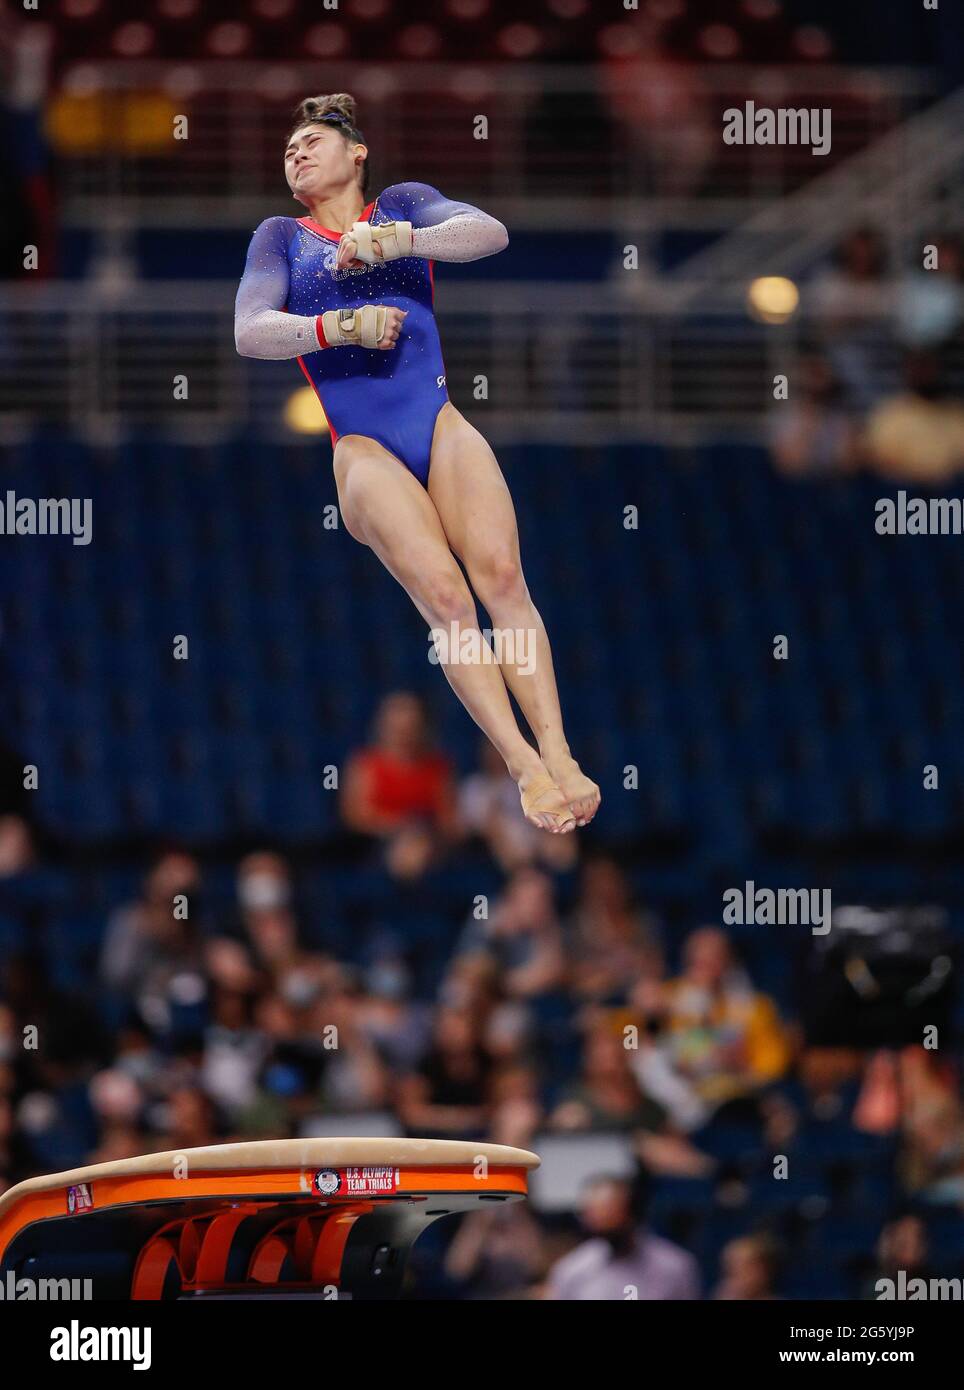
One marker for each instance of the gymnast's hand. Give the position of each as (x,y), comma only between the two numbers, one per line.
(393,327)
(347,256)
(369,325)
(367,243)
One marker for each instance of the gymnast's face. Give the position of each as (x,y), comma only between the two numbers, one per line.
(320,162)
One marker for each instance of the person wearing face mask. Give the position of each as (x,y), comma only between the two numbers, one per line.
(620,1259)
(749,1267)
(147,939)
(264,883)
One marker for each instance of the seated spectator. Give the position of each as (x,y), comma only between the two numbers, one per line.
(263,883)
(611,1094)
(16,847)
(117,1101)
(620,1258)
(878,1106)
(234,1049)
(446,1096)
(273,940)
(287,1077)
(903,1246)
(606,1095)
(930,306)
(354,1077)
(827,1073)
(522,935)
(750,1265)
(723,1036)
(399,779)
(509,1031)
(472,983)
(934,1165)
(187,1120)
(652,1061)
(917,435)
(145,942)
(782,1123)
(410,852)
(488,807)
(852,303)
(71,1033)
(266,934)
(229,965)
(932,1162)
(396,1024)
(611,943)
(813,433)
(516,1105)
(499,1252)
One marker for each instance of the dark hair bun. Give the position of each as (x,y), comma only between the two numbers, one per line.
(340,104)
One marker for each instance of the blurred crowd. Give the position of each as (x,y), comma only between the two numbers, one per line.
(880,380)
(563,1007)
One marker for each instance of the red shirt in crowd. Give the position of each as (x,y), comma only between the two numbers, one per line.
(403,790)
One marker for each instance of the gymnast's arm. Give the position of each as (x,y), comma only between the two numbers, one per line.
(426,224)
(262,327)
(448,231)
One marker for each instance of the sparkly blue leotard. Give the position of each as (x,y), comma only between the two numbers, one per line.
(391,396)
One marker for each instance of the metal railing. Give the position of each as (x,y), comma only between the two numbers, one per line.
(563,143)
(908,183)
(555,361)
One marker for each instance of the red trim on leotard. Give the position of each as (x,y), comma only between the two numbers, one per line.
(334,432)
(316,227)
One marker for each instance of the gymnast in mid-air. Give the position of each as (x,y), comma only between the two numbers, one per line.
(348,290)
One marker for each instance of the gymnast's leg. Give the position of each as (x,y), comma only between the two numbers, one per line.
(476,511)
(386,508)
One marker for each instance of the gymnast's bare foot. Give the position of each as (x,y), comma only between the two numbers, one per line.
(580,791)
(543,803)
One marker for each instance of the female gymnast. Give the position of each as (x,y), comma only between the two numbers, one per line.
(348,290)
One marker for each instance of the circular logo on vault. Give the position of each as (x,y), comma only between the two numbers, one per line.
(327,1182)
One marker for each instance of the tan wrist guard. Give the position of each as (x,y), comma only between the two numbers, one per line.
(362,327)
(393,238)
